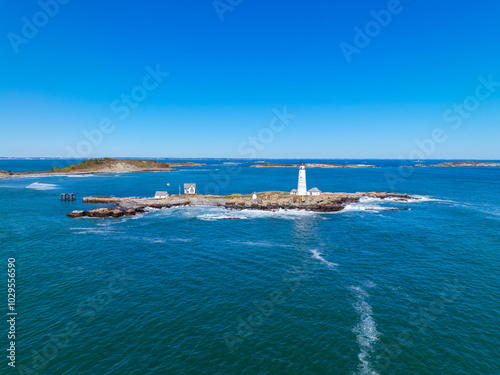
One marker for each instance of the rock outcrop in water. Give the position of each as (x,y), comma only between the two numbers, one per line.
(106,212)
(326,202)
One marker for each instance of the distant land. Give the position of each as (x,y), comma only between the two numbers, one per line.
(313,165)
(462,164)
(105,165)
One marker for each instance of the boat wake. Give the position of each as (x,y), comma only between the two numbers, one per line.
(317,255)
(366,331)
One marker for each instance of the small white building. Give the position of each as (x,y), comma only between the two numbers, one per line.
(190,188)
(254,196)
(161,194)
(293,192)
(314,191)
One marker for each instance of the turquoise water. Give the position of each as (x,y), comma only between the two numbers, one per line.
(190,291)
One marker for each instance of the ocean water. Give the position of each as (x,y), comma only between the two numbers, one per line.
(203,290)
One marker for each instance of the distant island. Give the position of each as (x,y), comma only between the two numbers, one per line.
(313,165)
(104,165)
(462,164)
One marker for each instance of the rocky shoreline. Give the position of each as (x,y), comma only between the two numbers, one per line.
(326,202)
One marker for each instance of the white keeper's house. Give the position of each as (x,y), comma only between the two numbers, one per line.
(314,191)
(190,188)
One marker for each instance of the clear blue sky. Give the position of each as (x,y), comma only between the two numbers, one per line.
(226,77)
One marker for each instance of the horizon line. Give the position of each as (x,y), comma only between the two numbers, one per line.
(221,158)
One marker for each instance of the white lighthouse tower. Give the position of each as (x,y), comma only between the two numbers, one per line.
(302,187)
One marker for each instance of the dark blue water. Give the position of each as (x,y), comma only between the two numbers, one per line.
(188,291)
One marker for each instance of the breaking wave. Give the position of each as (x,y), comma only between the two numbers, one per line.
(80,175)
(387,204)
(367,204)
(42,186)
(228,214)
(210,213)
(424,198)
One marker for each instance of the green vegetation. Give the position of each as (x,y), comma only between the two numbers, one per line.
(88,163)
(92,164)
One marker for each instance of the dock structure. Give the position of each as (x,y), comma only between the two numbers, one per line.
(68,197)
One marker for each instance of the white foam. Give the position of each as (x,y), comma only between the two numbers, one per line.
(211,213)
(153,240)
(218,213)
(42,186)
(317,255)
(191,169)
(91,231)
(80,175)
(412,199)
(181,239)
(359,292)
(260,244)
(426,198)
(135,217)
(366,204)
(378,204)
(219,216)
(369,284)
(359,207)
(366,331)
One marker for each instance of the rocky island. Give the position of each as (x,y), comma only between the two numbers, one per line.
(326,202)
(462,164)
(104,165)
(313,165)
